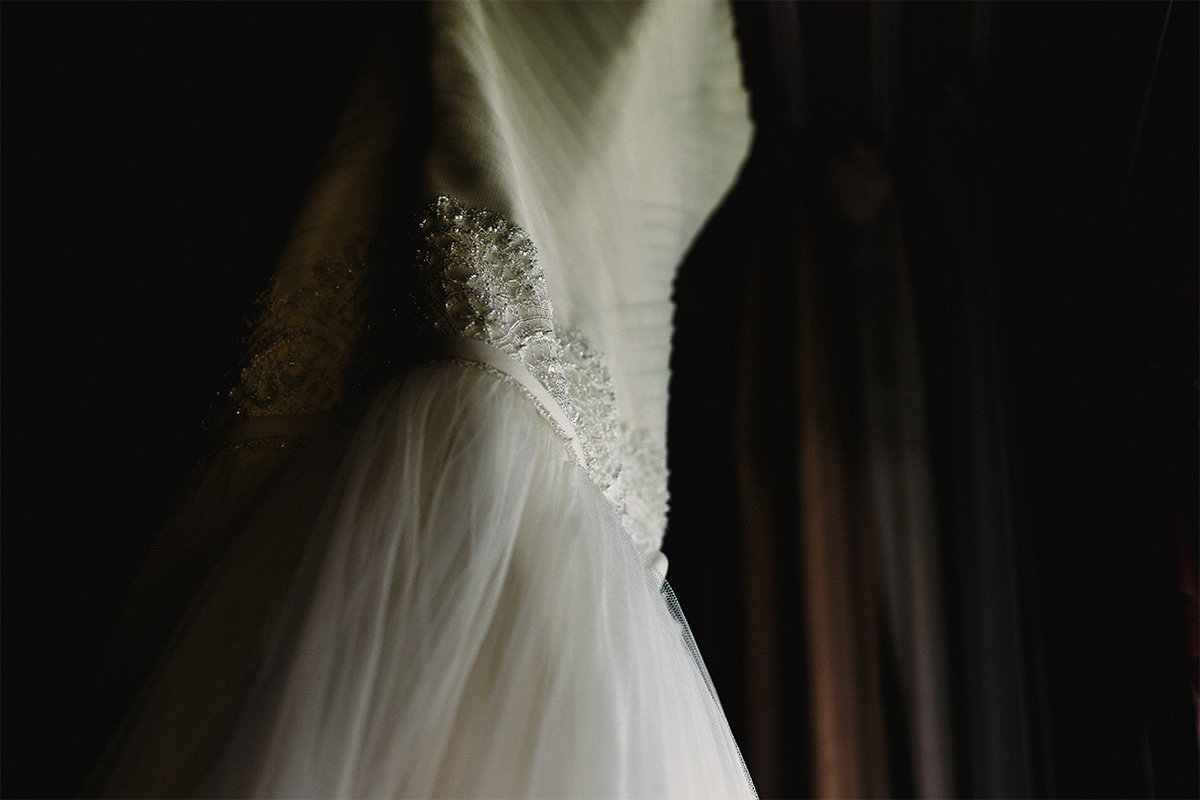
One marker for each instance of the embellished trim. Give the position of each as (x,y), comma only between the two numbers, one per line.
(301,343)
(482,289)
(473,351)
(507,377)
(480,279)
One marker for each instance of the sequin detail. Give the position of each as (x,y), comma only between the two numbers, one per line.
(481,279)
(302,342)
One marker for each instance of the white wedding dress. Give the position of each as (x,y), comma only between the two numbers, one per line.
(458,591)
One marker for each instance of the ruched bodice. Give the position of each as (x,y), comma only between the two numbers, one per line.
(608,132)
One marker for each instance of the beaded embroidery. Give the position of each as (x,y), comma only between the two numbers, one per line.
(481,279)
(301,343)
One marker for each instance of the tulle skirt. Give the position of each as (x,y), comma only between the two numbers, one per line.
(436,603)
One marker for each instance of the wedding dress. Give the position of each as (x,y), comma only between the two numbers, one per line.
(458,590)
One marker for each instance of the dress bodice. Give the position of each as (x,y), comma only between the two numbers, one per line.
(608,153)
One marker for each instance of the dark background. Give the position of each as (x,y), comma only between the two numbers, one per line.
(153,156)
(1045,159)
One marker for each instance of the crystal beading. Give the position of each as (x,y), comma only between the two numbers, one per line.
(480,278)
(301,342)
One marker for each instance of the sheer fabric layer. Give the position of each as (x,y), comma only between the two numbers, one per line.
(422,647)
(608,132)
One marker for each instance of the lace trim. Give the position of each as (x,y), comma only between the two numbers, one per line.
(480,279)
(302,342)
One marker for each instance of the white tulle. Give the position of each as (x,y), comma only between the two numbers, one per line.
(464,617)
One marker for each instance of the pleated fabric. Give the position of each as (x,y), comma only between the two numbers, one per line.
(609,132)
